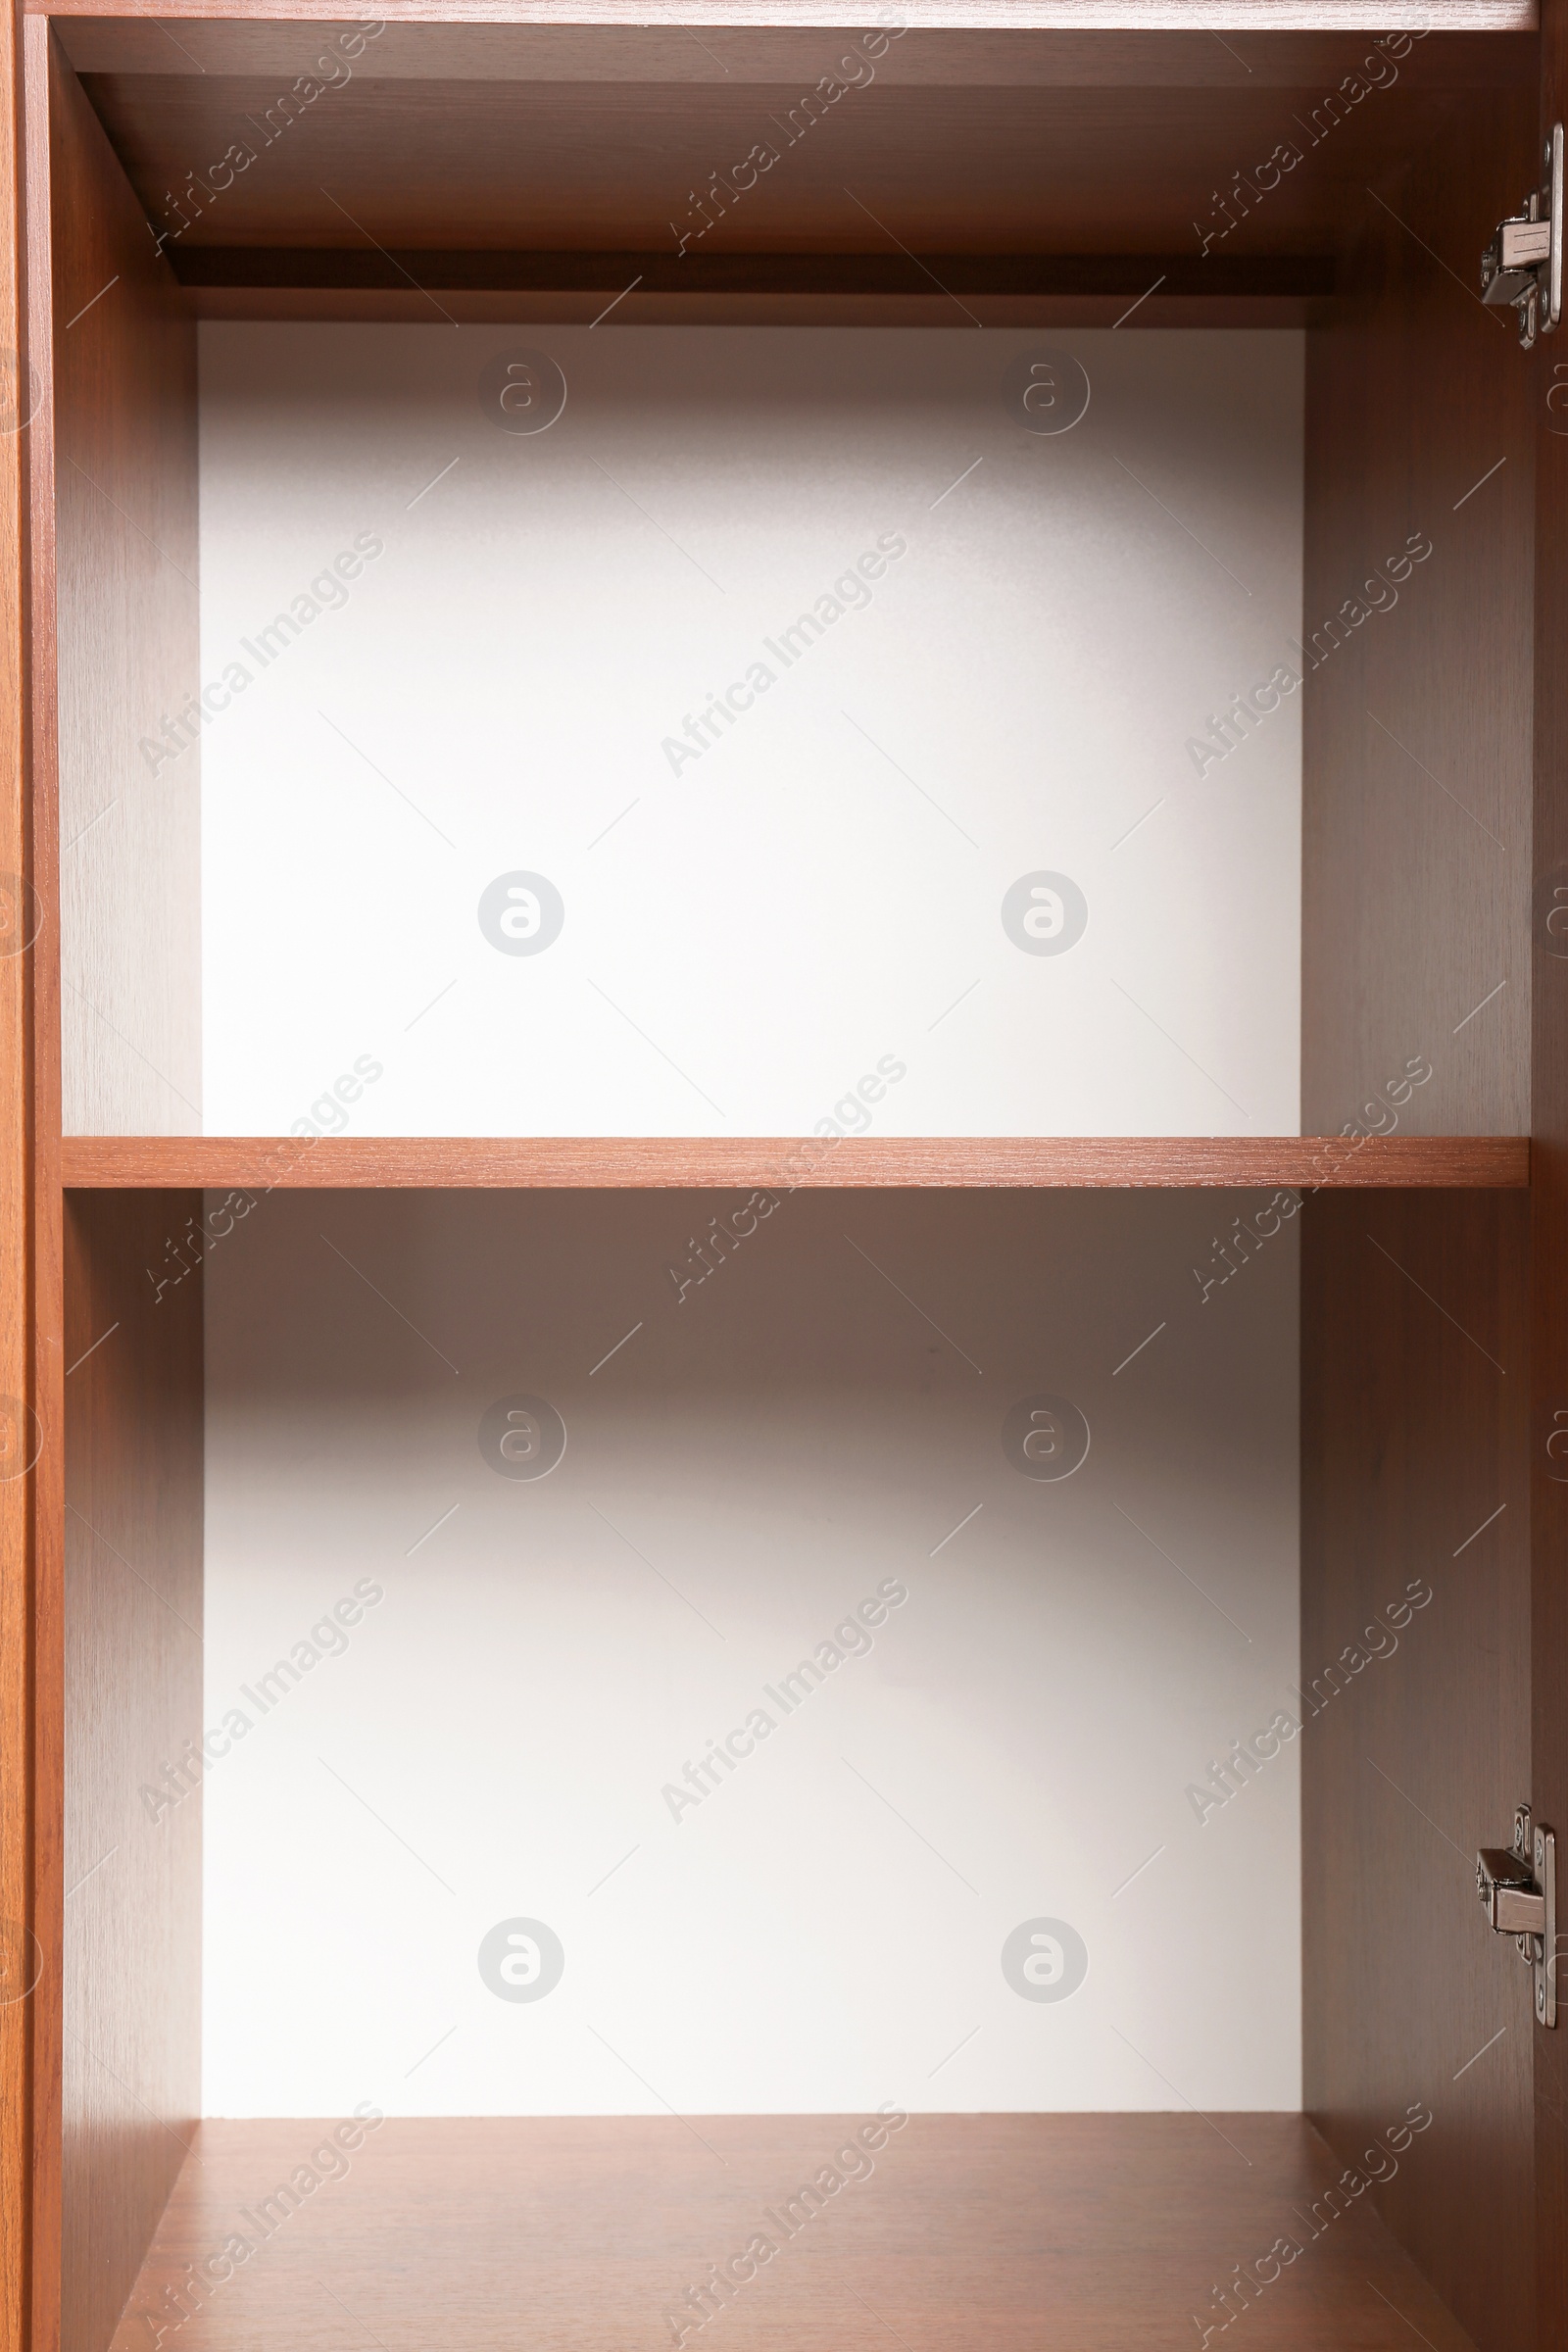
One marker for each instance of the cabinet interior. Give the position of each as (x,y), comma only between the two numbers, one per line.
(1302,1484)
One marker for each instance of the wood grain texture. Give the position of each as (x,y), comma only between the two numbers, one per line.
(1123,275)
(1417,719)
(245,159)
(1548,1493)
(1069,15)
(1023,2232)
(133,1699)
(776,51)
(36,2204)
(257,1163)
(404,306)
(28,1478)
(123,382)
(1139,291)
(1415,1747)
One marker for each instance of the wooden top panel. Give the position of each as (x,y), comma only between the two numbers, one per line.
(1124,17)
(542,137)
(1014,42)
(1022,2233)
(259,1162)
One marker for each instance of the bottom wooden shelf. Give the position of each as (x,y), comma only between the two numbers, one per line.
(1022,2233)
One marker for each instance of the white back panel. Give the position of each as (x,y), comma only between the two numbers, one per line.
(491,1739)
(506,687)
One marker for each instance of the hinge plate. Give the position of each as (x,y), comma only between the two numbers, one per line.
(1523,263)
(1518,1890)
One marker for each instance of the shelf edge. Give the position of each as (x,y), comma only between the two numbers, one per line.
(258,1163)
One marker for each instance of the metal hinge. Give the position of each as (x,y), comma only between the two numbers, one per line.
(1518,1889)
(1523,263)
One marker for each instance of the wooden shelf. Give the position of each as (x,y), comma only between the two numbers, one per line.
(1024,2233)
(1120,276)
(257,1163)
(728,288)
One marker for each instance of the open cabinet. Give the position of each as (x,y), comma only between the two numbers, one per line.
(786,1447)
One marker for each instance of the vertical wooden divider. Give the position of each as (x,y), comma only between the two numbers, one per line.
(30,1435)
(39,773)
(1549,1220)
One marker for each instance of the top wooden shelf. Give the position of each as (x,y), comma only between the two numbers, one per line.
(257,1163)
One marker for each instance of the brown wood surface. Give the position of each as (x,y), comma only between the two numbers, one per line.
(1180,276)
(34,1639)
(1416,889)
(1417,726)
(123,370)
(406,305)
(100,393)
(133,1699)
(1133,17)
(1414,1404)
(257,1163)
(1021,2233)
(942,167)
(474,47)
(29,1878)
(736,289)
(1549,1232)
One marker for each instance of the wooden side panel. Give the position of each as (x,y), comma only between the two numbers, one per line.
(134,1681)
(1548,372)
(1416,746)
(1416,1743)
(1417,655)
(124,423)
(28,1466)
